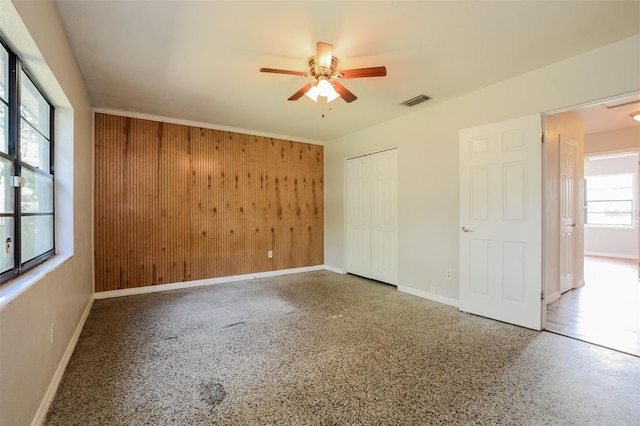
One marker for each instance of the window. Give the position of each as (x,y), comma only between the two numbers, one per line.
(610,199)
(26,170)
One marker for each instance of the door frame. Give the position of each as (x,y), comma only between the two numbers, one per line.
(553,131)
(548,233)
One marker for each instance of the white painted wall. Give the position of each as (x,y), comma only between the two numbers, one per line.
(427,142)
(30,364)
(606,241)
(626,139)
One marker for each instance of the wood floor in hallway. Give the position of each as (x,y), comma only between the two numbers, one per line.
(606,311)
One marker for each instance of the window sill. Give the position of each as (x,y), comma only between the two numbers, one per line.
(11,290)
(625,228)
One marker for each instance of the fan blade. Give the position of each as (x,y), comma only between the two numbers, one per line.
(273,70)
(344,93)
(365,72)
(300,92)
(325,54)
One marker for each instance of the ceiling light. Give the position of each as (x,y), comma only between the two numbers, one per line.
(313,93)
(326,89)
(635,115)
(322,88)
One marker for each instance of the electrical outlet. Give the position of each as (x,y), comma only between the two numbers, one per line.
(448,274)
(433,289)
(270,254)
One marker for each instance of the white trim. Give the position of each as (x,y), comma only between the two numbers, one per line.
(616,227)
(610,156)
(431,296)
(391,148)
(191,123)
(616,255)
(552,298)
(593,103)
(40,415)
(205,282)
(14,288)
(334,269)
(611,152)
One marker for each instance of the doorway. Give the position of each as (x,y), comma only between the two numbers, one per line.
(603,306)
(605,311)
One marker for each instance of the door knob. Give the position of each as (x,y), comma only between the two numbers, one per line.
(465,229)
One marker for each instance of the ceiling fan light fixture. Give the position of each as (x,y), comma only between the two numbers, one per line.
(313,93)
(323,67)
(325,88)
(635,115)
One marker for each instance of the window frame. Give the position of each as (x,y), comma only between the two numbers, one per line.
(16,71)
(633,200)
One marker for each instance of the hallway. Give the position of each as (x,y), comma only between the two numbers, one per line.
(606,311)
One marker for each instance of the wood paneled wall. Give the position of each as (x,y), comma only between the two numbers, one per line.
(176,203)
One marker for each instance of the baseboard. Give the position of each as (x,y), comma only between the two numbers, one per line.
(205,282)
(431,296)
(41,414)
(336,270)
(615,255)
(552,297)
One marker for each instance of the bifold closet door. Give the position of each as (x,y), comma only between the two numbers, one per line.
(359,216)
(372,216)
(384,216)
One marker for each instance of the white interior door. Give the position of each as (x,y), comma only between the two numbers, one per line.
(384,220)
(567,157)
(359,216)
(501,221)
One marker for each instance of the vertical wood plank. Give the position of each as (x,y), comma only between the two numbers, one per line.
(175,203)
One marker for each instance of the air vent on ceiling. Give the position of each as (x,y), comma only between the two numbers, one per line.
(415,101)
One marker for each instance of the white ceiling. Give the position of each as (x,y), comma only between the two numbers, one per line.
(199,60)
(610,114)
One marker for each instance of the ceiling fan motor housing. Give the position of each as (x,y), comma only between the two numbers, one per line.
(319,71)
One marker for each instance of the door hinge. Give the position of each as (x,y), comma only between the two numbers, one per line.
(541,137)
(542,295)
(17,181)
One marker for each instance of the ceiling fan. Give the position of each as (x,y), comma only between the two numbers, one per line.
(323,68)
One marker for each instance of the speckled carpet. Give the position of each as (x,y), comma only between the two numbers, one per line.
(326,349)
